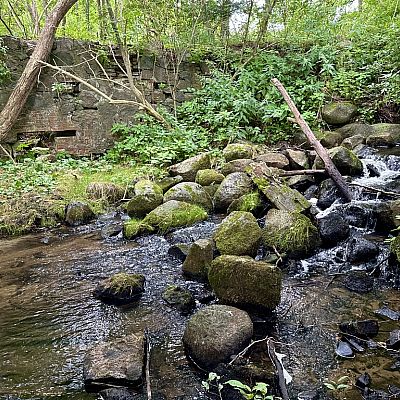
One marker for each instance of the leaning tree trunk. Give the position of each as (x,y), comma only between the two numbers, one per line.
(27,80)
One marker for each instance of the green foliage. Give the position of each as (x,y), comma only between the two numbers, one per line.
(151,143)
(338,386)
(4,71)
(258,392)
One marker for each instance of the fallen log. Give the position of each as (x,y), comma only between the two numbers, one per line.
(321,151)
(302,172)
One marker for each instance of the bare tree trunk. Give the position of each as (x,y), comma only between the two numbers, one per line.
(329,165)
(27,80)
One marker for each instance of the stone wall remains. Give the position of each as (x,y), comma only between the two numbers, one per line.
(67,115)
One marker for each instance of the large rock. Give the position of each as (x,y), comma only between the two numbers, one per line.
(245,282)
(207,177)
(78,213)
(353,141)
(387,213)
(298,159)
(232,187)
(148,195)
(215,333)
(333,228)
(169,181)
(251,202)
(273,159)
(120,288)
(344,159)
(282,196)
(290,233)
(235,151)
(173,214)
(384,135)
(189,192)
(238,234)
(328,193)
(116,363)
(355,129)
(338,113)
(198,259)
(188,168)
(330,139)
(239,165)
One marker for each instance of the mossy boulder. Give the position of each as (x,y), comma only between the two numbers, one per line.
(290,233)
(395,247)
(345,160)
(238,234)
(273,159)
(355,129)
(173,214)
(199,259)
(120,288)
(207,177)
(235,151)
(131,228)
(105,191)
(239,165)
(353,141)
(330,139)
(243,281)
(215,333)
(78,213)
(179,298)
(166,183)
(338,113)
(211,189)
(387,135)
(387,213)
(148,195)
(232,187)
(188,168)
(282,196)
(190,192)
(250,202)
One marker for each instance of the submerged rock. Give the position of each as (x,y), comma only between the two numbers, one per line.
(238,234)
(191,193)
(199,259)
(116,363)
(333,228)
(328,194)
(232,187)
(290,233)
(385,311)
(179,251)
(111,230)
(338,113)
(173,214)
(236,151)
(359,282)
(361,249)
(363,381)
(244,281)
(207,177)
(363,329)
(78,213)
(394,340)
(118,394)
(120,288)
(147,197)
(179,297)
(215,333)
(188,168)
(343,349)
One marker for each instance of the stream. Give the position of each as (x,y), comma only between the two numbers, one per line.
(49,318)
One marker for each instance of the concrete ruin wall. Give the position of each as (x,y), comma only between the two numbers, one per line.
(76,119)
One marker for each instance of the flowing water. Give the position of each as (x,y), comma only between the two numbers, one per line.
(49,318)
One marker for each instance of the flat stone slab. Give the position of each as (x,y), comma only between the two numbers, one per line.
(116,363)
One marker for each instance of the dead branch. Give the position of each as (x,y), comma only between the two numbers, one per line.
(245,350)
(376,190)
(148,352)
(279,369)
(302,172)
(329,165)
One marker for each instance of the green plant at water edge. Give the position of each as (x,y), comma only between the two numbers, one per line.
(338,386)
(258,392)
(213,382)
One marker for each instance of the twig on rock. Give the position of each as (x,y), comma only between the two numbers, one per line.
(244,351)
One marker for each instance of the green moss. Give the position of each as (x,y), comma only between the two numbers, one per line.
(395,247)
(131,228)
(250,202)
(122,282)
(174,214)
(238,234)
(291,233)
(206,177)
